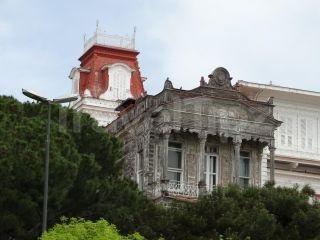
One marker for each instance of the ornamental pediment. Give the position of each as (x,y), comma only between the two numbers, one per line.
(220,78)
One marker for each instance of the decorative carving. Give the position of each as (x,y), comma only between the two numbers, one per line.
(220,78)
(168,84)
(237,139)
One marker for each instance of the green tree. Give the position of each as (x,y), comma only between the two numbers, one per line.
(81,159)
(252,213)
(80,229)
(21,168)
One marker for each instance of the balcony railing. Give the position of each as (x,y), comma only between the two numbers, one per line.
(109,40)
(182,189)
(179,189)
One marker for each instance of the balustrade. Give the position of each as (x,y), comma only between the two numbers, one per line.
(111,40)
(182,189)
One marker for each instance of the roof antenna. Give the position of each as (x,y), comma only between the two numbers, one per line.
(84,38)
(97,25)
(134,36)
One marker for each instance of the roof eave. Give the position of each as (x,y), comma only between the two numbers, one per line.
(278,88)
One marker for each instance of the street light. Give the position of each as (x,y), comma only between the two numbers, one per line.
(41,99)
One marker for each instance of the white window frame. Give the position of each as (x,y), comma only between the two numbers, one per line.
(242,177)
(176,170)
(208,174)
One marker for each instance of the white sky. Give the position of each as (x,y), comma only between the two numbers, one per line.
(257,41)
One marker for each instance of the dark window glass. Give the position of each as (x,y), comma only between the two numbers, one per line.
(174,159)
(174,176)
(174,145)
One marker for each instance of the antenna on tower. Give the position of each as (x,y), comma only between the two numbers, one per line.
(134,36)
(84,38)
(97,25)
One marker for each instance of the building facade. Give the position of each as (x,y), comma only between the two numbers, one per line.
(184,142)
(108,74)
(297,159)
(180,143)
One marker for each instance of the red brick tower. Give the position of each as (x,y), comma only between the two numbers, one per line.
(108,74)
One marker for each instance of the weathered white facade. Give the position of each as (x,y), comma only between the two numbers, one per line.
(297,159)
(180,143)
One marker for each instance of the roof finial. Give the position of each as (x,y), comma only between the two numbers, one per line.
(270,100)
(202,81)
(168,84)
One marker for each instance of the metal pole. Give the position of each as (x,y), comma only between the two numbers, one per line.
(41,99)
(46,174)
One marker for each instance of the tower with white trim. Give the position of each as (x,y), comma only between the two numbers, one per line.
(108,74)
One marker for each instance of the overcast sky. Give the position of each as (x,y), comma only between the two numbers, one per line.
(257,41)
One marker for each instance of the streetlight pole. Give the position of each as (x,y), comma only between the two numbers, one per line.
(46,173)
(44,100)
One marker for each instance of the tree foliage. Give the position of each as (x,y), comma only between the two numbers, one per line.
(253,213)
(79,229)
(82,157)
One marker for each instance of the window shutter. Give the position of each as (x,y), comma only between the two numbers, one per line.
(286,131)
(310,134)
(303,133)
(283,131)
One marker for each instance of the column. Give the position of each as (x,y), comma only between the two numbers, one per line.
(236,164)
(202,144)
(201,164)
(264,166)
(165,142)
(272,150)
